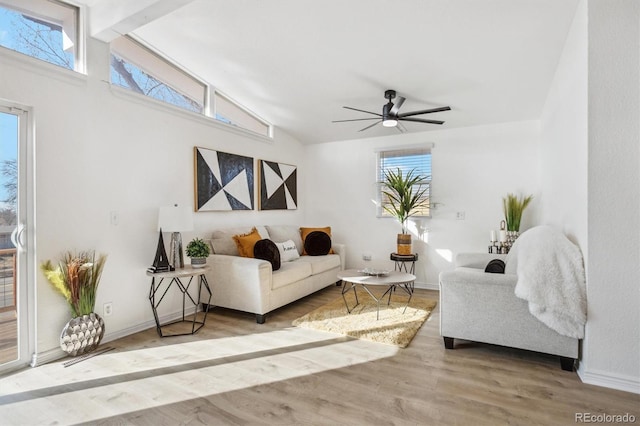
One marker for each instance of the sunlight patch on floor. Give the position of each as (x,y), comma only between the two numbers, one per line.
(141,379)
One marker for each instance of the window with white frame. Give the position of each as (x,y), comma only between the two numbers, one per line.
(415,160)
(230,112)
(140,70)
(44,29)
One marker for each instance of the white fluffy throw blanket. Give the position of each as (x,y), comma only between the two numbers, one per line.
(551,278)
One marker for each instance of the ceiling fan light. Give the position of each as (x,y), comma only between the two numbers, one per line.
(389,122)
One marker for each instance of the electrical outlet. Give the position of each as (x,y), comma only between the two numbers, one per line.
(460,215)
(114,218)
(366,257)
(107,309)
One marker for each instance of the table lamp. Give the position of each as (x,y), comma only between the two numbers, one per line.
(175,219)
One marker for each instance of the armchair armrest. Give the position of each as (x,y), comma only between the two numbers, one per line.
(477,260)
(464,277)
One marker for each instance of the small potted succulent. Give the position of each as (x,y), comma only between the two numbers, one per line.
(198,250)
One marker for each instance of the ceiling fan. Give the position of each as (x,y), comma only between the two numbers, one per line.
(390,116)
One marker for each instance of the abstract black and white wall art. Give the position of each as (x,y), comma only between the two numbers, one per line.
(278,186)
(223,181)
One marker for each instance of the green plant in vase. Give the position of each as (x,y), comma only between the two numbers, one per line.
(405,195)
(513,207)
(76,277)
(198,250)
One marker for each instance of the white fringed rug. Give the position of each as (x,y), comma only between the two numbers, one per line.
(393,328)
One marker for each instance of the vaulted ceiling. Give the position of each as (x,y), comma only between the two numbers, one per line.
(296,63)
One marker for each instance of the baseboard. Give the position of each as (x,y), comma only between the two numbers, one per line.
(108,337)
(41,358)
(44,357)
(427,286)
(608,380)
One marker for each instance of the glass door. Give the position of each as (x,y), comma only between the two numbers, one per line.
(15,328)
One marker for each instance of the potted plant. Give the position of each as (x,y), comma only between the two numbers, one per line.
(76,276)
(198,250)
(404,195)
(513,208)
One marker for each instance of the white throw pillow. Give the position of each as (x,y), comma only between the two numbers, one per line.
(288,251)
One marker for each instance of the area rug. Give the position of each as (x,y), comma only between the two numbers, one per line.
(393,328)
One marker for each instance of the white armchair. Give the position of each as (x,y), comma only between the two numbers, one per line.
(483,307)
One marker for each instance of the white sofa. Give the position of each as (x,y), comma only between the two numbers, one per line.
(249,284)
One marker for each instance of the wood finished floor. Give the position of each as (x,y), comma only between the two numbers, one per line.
(8,336)
(237,372)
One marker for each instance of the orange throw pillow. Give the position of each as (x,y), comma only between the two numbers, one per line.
(306,231)
(245,242)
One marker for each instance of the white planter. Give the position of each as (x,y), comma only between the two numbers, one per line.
(198,262)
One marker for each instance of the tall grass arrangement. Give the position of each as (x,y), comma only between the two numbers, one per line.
(76,277)
(513,207)
(405,194)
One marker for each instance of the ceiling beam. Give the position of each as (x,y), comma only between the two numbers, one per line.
(109,19)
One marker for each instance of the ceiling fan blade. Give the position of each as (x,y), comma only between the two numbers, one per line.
(421,120)
(424,111)
(401,128)
(368,127)
(356,119)
(397,105)
(361,110)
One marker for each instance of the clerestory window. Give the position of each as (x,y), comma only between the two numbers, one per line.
(43,29)
(140,70)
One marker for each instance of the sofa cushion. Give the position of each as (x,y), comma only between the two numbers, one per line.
(282,233)
(267,250)
(320,264)
(222,241)
(304,232)
(317,243)
(288,251)
(289,273)
(245,242)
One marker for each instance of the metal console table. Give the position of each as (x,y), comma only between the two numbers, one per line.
(175,277)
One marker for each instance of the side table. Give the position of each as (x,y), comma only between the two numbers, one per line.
(175,277)
(401,261)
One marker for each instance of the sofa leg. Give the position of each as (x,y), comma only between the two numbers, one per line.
(448,342)
(260,318)
(567,363)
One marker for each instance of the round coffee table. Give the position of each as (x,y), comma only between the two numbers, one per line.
(353,278)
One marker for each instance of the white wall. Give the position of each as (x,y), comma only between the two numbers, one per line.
(564,143)
(590,180)
(98,151)
(473,168)
(612,347)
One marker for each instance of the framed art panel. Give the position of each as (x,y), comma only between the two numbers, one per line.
(223,181)
(278,186)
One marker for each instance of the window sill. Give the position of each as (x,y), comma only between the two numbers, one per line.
(11,57)
(127,94)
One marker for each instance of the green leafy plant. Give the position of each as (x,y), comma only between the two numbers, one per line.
(405,194)
(76,277)
(513,208)
(198,248)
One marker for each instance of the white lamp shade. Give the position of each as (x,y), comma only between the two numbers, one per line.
(175,219)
